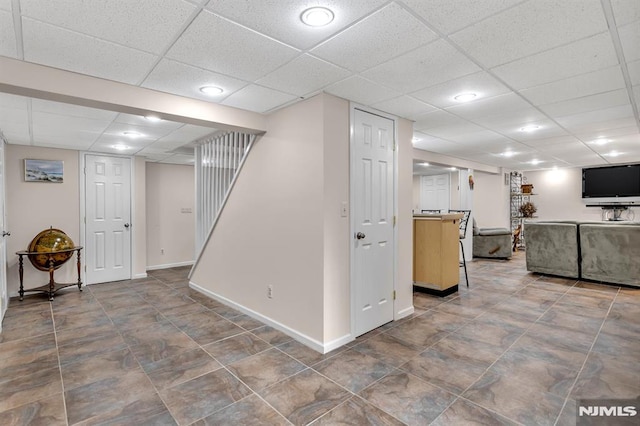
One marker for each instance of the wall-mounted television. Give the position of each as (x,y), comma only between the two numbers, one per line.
(612,184)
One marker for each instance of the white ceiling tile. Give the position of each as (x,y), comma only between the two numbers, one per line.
(445,132)
(178,159)
(45,121)
(303,75)
(625,11)
(385,34)
(59,48)
(565,150)
(139,121)
(5,5)
(221,46)
(426,66)
(636,94)
(542,143)
(186,134)
(436,145)
(185,80)
(587,103)
(625,158)
(60,142)
(591,119)
(147,25)
(449,16)
(577,58)
(481,83)
(630,39)
(600,81)
(68,110)
(437,118)
(8,45)
(360,90)
(589,137)
(14,124)
(404,106)
(280,19)
(146,132)
(586,126)
(478,138)
(258,98)
(13,101)
(622,144)
(530,28)
(634,72)
(490,106)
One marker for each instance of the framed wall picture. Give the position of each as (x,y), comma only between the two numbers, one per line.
(44,171)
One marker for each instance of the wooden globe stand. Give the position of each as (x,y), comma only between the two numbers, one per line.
(52,287)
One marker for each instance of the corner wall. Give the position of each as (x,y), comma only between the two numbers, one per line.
(170,236)
(491,200)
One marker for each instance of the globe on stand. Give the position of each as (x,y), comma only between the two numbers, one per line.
(47,241)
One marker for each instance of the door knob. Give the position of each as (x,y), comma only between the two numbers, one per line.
(6,234)
(360,235)
(126,225)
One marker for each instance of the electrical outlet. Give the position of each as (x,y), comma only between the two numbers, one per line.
(270,292)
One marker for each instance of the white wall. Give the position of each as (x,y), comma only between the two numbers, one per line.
(491,200)
(170,231)
(560,196)
(404,268)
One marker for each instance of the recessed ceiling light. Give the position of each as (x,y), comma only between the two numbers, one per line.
(423,164)
(414,140)
(508,154)
(531,128)
(601,141)
(211,90)
(453,169)
(535,162)
(317,16)
(465,97)
(153,118)
(120,147)
(131,134)
(613,154)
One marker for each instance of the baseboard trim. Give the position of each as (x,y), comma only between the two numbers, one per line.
(137,276)
(404,313)
(170,265)
(300,337)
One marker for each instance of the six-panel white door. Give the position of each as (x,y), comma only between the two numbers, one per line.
(434,192)
(4,297)
(107,254)
(373,212)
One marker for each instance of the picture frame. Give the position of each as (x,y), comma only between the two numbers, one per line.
(50,171)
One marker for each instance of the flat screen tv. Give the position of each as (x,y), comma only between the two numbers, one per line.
(613,184)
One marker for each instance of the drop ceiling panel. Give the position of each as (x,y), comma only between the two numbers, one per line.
(626,11)
(183,135)
(385,34)
(163,126)
(445,132)
(67,110)
(490,106)
(623,144)
(14,124)
(604,80)
(630,39)
(449,16)
(361,90)
(52,46)
(281,19)
(634,72)
(442,95)
(221,46)
(426,66)
(404,106)
(566,61)
(178,159)
(55,123)
(258,98)
(5,5)
(145,132)
(542,144)
(186,80)
(146,25)
(539,25)
(594,119)
(607,134)
(13,101)
(7,35)
(436,145)
(438,118)
(477,139)
(587,103)
(303,75)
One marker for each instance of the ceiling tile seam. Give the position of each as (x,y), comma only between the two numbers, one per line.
(17,28)
(617,45)
(186,24)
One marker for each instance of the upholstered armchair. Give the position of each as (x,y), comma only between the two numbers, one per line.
(491,242)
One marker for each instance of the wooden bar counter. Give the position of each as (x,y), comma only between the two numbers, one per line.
(436,261)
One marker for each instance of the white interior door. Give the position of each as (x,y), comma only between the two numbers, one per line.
(372,184)
(434,192)
(107,254)
(4,297)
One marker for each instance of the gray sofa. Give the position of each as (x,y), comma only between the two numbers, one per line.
(600,251)
(491,242)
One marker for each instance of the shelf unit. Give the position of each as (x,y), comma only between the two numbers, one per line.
(518,198)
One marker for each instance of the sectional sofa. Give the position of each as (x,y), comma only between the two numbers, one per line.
(601,251)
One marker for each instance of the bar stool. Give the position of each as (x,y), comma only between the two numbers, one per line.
(463,233)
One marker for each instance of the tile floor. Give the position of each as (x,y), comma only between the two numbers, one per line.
(514,348)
